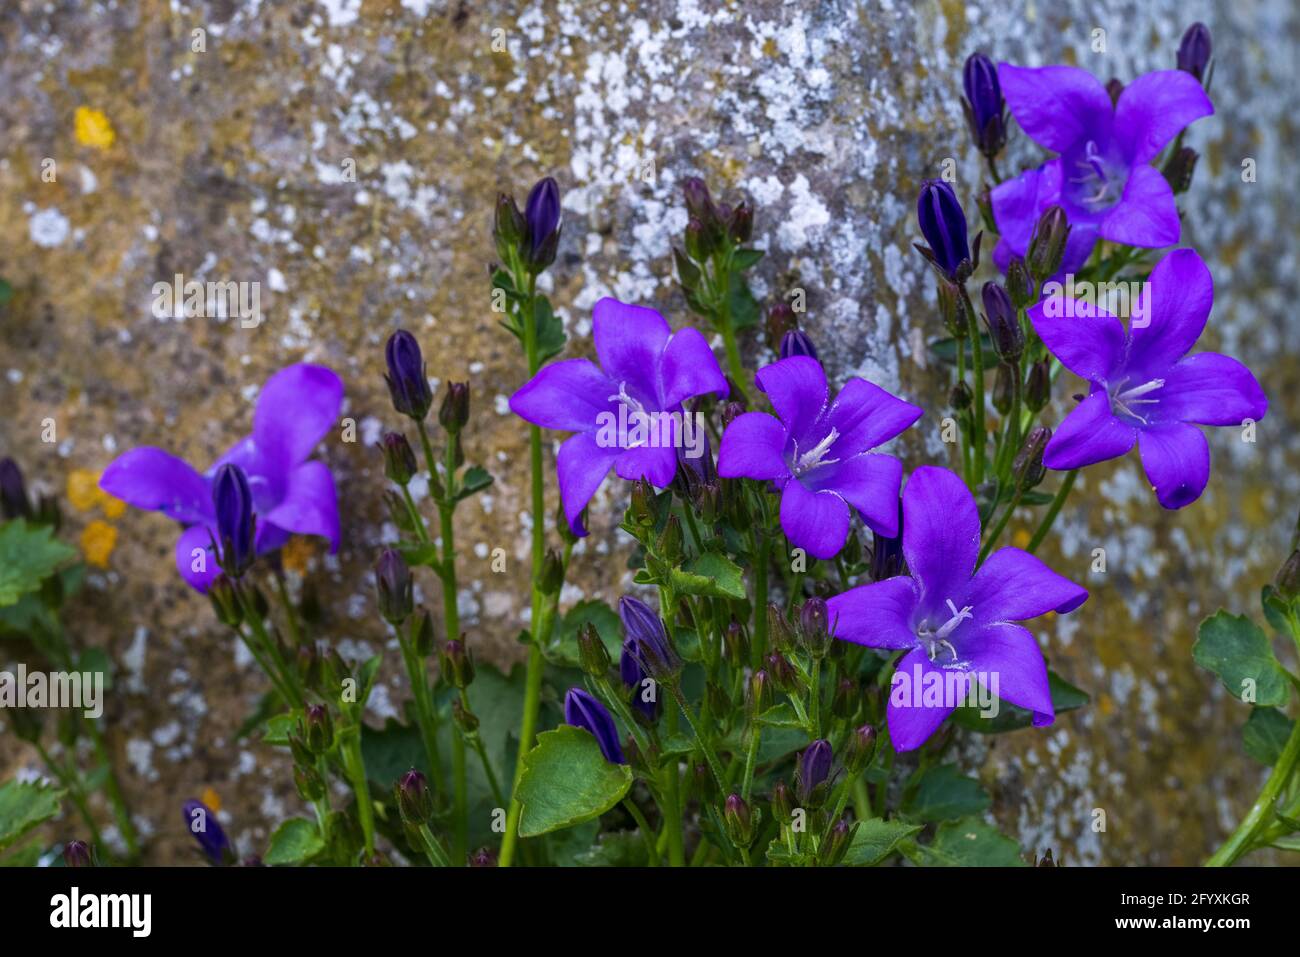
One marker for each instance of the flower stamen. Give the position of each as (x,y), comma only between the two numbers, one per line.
(814,456)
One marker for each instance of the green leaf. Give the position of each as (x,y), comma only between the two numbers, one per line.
(416,554)
(564,646)
(6,292)
(566,781)
(279,727)
(1275,609)
(28,555)
(96,659)
(710,574)
(1265,734)
(23,806)
(296,841)
(945,350)
(1238,651)
(743,305)
(1010,717)
(967,843)
(875,840)
(944,794)
(550,330)
(744,259)
(475,479)
(390,752)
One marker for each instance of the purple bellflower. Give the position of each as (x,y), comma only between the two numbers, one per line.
(1102,175)
(1145,389)
(627,412)
(950,618)
(583,711)
(201,821)
(818,453)
(291,493)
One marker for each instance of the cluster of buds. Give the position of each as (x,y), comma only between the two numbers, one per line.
(533,236)
(712,230)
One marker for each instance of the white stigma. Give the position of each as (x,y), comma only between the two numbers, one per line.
(816,455)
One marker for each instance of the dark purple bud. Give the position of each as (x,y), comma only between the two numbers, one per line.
(77,854)
(407,383)
(542,216)
(1179,168)
(797,343)
(1004,388)
(483,857)
(508,227)
(583,711)
(1027,468)
(739,819)
(645,632)
(780,320)
(1003,323)
(1287,580)
(13,491)
(959,397)
(814,627)
(699,204)
(399,458)
(984,105)
(837,843)
(740,224)
(456,664)
(860,748)
(736,642)
(202,822)
(645,697)
(394,586)
(233,500)
(943,224)
(1038,385)
(730,412)
(782,802)
(1114,87)
(1194,51)
(1047,245)
(454,412)
(318,729)
(414,799)
(887,553)
(812,773)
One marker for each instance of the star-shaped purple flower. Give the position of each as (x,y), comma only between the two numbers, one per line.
(1145,389)
(291,493)
(646,371)
(951,618)
(818,452)
(1102,176)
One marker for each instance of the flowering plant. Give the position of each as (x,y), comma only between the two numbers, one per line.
(815,619)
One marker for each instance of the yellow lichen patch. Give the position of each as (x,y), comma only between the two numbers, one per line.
(83,490)
(113,507)
(93,128)
(1020,539)
(297,552)
(97,542)
(212,799)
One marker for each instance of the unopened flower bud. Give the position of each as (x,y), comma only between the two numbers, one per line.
(812,774)
(646,640)
(780,635)
(414,799)
(1027,468)
(456,663)
(688,274)
(508,227)
(483,857)
(797,343)
(422,643)
(1179,168)
(642,509)
(735,641)
(13,491)
(740,225)
(837,843)
(393,586)
(454,411)
(399,458)
(730,412)
(408,385)
(1047,246)
(669,545)
(225,601)
(309,783)
(984,106)
(77,854)
(760,692)
(464,719)
(1114,88)
(952,307)
(860,749)
(1038,385)
(318,729)
(943,224)
(542,221)
(592,653)
(1287,581)
(1004,384)
(1003,323)
(960,397)
(814,627)
(1020,285)
(844,703)
(784,677)
(740,820)
(782,803)
(780,320)
(552,572)
(1194,51)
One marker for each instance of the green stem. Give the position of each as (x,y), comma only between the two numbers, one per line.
(422,698)
(751,758)
(977,362)
(672,798)
(714,765)
(460,834)
(1061,495)
(1001,525)
(114,791)
(1242,839)
(814,698)
(647,835)
(433,848)
(528,728)
(355,768)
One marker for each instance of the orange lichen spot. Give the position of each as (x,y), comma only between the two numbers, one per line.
(297,552)
(212,799)
(83,490)
(113,507)
(93,128)
(98,539)
(1020,538)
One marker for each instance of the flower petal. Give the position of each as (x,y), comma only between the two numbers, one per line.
(1154,108)
(689,368)
(1056,106)
(152,479)
(1211,389)
(1176,458)
(797,390)
(1146,214)
(1011,653)
(1090,434)
(629,340)
(1088,340)
(295,409)
(1017,204)
(817,522)
(568,395)
(1181,294)
(657,465)
(196,562)
(865,416)
(581,466)
(869,482)
(941,533)
(1013,585)
(910,725)
(878,615)
(310,504)
(753,447)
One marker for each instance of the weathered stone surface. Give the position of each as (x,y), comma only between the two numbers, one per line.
(229,164)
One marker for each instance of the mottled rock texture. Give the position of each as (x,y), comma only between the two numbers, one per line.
(232,164)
